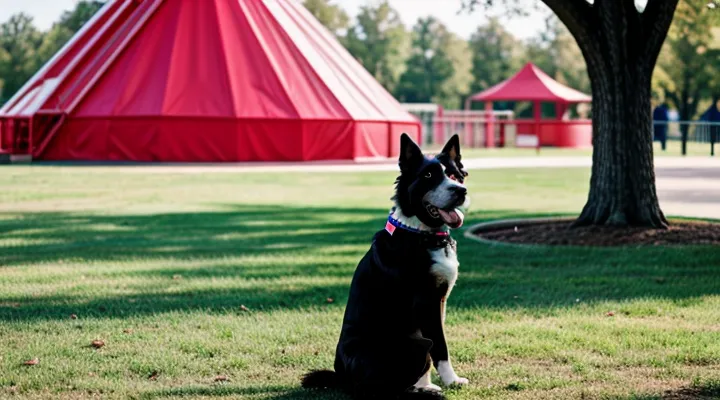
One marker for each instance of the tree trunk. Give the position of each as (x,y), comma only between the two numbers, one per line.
(622,187)
(620,47)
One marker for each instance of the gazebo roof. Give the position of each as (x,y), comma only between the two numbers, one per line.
(531,84)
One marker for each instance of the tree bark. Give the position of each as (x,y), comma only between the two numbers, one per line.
(620,47)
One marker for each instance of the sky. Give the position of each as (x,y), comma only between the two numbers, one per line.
(45,12)
(463,23)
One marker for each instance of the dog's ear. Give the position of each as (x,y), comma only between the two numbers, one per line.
(452,152)
(410,154)
(452,148)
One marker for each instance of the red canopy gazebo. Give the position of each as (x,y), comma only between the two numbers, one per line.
(532,84)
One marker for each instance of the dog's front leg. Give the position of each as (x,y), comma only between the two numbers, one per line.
(433,330)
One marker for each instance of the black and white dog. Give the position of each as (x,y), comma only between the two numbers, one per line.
(392,331)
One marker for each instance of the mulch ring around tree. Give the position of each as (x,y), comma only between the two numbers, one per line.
(561,233)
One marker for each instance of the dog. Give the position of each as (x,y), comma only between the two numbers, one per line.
(392,330)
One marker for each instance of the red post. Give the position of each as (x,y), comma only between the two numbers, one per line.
(560,109)
(537,113)
(469,137)
(439,134)
(31,122)
(12,136)
(489,128)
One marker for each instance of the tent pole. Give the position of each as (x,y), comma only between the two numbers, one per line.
(489,128)
(537,113)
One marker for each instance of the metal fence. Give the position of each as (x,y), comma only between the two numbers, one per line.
(697,131)
(438,125)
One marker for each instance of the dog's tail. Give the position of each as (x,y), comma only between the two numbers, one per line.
(320,379)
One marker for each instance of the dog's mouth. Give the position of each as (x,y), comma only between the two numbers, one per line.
(452,218)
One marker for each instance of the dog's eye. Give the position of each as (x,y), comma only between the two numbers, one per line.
(428,175)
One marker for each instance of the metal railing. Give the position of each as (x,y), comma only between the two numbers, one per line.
(700,135)
(509,132)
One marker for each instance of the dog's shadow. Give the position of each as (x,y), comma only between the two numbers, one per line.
(276,392)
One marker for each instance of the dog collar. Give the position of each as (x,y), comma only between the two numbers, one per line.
(392,224)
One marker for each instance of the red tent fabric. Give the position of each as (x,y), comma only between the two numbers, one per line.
(210,80)
(531,84)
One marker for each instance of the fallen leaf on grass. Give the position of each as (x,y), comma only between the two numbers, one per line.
(610,314)
(153,375)
(128,331)
(97,344)
(221,378)
(243,308)
(34,361)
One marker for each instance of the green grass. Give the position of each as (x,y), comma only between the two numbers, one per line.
(158,265)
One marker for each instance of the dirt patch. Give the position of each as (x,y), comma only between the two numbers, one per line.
(560,233)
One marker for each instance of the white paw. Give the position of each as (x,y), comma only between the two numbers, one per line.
(431,387)
(448,375)
(458,381)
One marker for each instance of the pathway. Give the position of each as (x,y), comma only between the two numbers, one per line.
(686,186)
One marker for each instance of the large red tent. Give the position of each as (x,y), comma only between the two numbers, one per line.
(210,80)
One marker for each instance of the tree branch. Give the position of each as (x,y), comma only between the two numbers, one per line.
(673,97)
(694,103)
(581,20)
(656,20)
(634,29)
(577,16)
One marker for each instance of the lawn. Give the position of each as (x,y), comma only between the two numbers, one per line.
(191,276)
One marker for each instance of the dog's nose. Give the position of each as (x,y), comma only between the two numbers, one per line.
(460,191)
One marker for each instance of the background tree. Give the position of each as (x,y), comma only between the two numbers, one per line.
(495,54)
(24,49)
(438,68)
(19,41)
(688,64)
(620,45)
(70,22)
(554,50)
(4,71)
(380,42)
(331,15)
(459,85)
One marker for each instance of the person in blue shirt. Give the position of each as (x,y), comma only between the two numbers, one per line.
(660,119)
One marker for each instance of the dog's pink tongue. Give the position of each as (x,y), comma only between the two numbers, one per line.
(451,218)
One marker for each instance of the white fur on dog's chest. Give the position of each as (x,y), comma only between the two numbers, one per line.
(445,265)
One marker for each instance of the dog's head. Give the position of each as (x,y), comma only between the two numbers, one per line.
(431,189)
